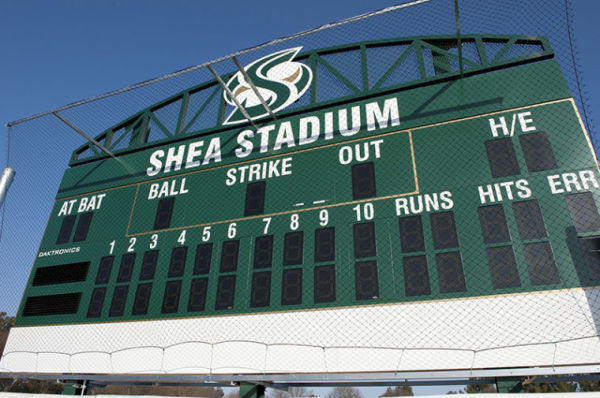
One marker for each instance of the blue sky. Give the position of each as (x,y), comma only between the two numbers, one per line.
(55,52)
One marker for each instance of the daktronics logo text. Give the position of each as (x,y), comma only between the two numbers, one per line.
(279,81)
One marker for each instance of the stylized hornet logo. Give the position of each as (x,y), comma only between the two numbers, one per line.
(278,79)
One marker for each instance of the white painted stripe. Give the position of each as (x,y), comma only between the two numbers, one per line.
(538,329)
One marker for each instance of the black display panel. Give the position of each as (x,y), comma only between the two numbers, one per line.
(538,151)
(324,283)
(583,211)
(493,224)
(255,198)
(225,292)
(64,235)
(411,234)
(325,244)
(164,212)
(54,304)
(363,181)
(503,267)
(451,276)
(149,265)
(366,280)
(502,158)
(229,255)
(591,252)
(104,269)
(171,297)
(203,258)
(197,301)
(177,263)
(293,248)
(96,302)
(443,229)
(142,299)
(119,299)
(263,251)
(66,273)
(261,289)
(83,226)
(529,220)
(291,287)
(416,276)
(126,268)
(364,240)
(540,263)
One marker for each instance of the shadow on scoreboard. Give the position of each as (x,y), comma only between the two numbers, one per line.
(419,112)
(585,253)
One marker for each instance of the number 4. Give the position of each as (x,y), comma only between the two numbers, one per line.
(181,238)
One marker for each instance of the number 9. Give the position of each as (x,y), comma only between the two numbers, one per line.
(323,217)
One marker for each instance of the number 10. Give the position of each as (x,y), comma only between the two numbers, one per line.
(368,212)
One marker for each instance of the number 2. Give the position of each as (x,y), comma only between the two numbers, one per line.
(131,244)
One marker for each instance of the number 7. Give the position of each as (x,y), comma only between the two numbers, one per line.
(267,221)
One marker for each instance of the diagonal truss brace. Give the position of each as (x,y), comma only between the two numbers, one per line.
(228,91)
(83,134)
(253,87)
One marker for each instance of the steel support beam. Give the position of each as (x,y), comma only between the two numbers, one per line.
(253,87)
(546,373)
(83,134)
(228,91)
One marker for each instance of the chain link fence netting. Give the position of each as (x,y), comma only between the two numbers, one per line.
(487,293)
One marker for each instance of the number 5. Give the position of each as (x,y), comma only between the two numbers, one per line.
(205,234)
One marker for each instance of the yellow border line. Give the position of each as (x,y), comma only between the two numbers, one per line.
(321,146)
(416,191)
(409,131)
(587,137)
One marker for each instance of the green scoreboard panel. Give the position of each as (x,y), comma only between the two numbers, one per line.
(448,222)
(490,189)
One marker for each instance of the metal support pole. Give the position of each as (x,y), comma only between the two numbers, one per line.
(7,178)
(457,17)
(74,387)
(509,385)
(228,91)
(248,390)
(253,87)
(84,135)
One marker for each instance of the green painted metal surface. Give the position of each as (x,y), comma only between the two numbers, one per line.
(378,65)
(434,164)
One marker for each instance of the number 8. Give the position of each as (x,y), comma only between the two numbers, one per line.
(294,223)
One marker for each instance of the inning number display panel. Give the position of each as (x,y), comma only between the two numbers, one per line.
(496,203)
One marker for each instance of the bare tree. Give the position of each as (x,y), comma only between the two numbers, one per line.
(292,392)
(398,391)
(345,392)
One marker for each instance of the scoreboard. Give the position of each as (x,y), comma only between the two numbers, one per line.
(481,188)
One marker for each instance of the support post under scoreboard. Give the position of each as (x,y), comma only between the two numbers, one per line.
(509,385)
(249,390)
(74,387)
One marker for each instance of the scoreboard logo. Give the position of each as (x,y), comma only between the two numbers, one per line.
(279,81)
